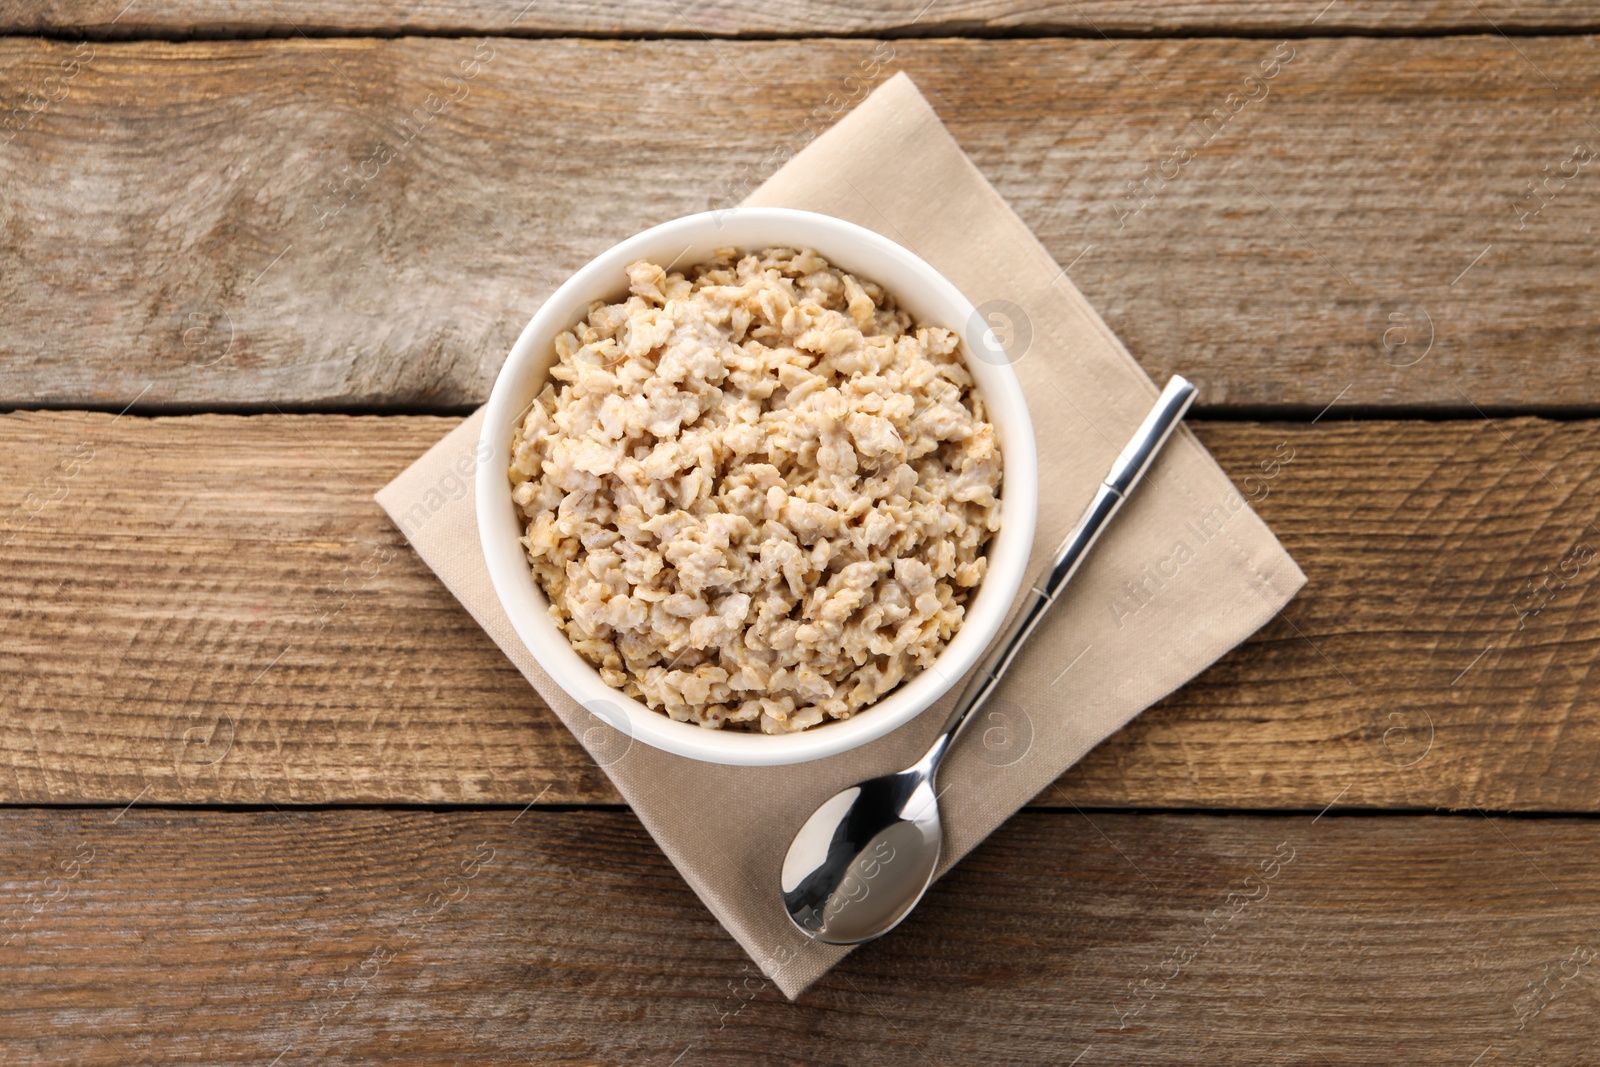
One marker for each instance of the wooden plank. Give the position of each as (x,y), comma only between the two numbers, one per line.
(211,609)
(398,938)
(116,19)
(271,223)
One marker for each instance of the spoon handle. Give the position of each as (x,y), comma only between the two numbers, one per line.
(1125,473)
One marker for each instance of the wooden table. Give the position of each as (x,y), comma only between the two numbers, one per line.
(271,797)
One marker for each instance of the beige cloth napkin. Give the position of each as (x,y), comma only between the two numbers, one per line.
(1184,574)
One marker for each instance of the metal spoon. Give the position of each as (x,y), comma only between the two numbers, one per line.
(865,857)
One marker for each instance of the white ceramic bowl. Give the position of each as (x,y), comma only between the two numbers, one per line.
(930,299)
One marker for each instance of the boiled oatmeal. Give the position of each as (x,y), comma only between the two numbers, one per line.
(756,494)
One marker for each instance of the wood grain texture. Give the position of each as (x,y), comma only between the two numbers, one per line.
(211,609)
(169,937)
(118,19)
(287,223)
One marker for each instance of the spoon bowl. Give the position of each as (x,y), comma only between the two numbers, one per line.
(864,858)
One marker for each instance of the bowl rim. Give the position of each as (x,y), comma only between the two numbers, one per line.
(525,604)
